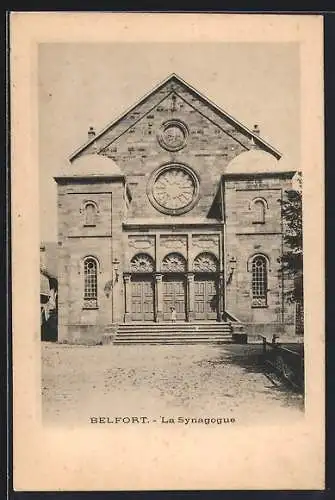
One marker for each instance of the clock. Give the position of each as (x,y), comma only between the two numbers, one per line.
(173,135)
(173,189)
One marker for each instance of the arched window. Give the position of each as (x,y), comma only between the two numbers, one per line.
(142,263)
(259,270)
(206,262)
(90,283)
(174,262)
(258,207)
(90,213)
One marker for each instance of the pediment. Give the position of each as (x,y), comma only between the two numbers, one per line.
(171,98)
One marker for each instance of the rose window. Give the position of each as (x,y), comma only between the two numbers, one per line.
(173,189)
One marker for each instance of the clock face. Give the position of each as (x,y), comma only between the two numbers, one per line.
(173,135)
(174,189)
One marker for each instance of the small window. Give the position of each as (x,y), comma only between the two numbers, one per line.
(90,283)
(90,214)
(258,208)
(259,281)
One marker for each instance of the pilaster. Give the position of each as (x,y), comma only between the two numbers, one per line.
(221,302)
(158,297)
(127,297)
(190,297)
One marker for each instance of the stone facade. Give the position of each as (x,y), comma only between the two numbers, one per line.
(247,237)
(168,207)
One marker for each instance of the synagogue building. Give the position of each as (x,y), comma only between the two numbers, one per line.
(170,223)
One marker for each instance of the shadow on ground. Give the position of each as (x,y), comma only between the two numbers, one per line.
(246,356)
(251,359)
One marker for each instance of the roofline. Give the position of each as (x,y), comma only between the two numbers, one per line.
(230,117)
(60,178)
(283,173)
(256,137)
(119,117)
(134,224)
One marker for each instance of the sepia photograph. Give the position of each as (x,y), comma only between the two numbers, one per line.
(171,251)
(167,204)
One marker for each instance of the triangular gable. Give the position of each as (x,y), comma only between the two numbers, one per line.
(172,85)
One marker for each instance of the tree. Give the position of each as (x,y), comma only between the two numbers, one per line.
(292,259)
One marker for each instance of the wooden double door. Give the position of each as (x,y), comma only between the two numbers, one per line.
(174,295)
(142,298)
(205,293)
(206,299)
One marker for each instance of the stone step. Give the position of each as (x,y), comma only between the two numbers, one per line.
(169,335)
(172,337)
(217,327)
(118,341)
(174,333)
(197,324)
(177,328)
(174,330)
(162,329)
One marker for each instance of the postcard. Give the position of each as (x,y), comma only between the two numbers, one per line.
(168,251)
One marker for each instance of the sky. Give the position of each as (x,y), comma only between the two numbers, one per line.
(82,85)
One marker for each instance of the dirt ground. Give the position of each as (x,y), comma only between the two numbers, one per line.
(199,381)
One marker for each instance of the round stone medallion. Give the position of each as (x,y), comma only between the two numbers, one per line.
(173,189)
(173,135)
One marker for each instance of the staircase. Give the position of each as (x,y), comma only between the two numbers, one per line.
(174,333)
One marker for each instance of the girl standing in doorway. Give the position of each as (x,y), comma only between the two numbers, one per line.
(173,314)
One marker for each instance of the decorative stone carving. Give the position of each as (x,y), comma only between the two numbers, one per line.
(141,243)
(254,184)
(174,262)
(173,241)
(206,241)
(142,263)
(108,288)
(173,189)
(206,262)
(258,301)
(90,304)
(173,135)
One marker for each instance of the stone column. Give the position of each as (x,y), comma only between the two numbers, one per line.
(221,290)
(190,297)
(127,297)
(158,297)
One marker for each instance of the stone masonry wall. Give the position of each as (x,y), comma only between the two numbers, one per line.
(213,140)
(133,144)
(244,239)
(76,241)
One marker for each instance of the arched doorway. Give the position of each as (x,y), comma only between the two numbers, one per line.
(142,288)
(206,290)
(174,286)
